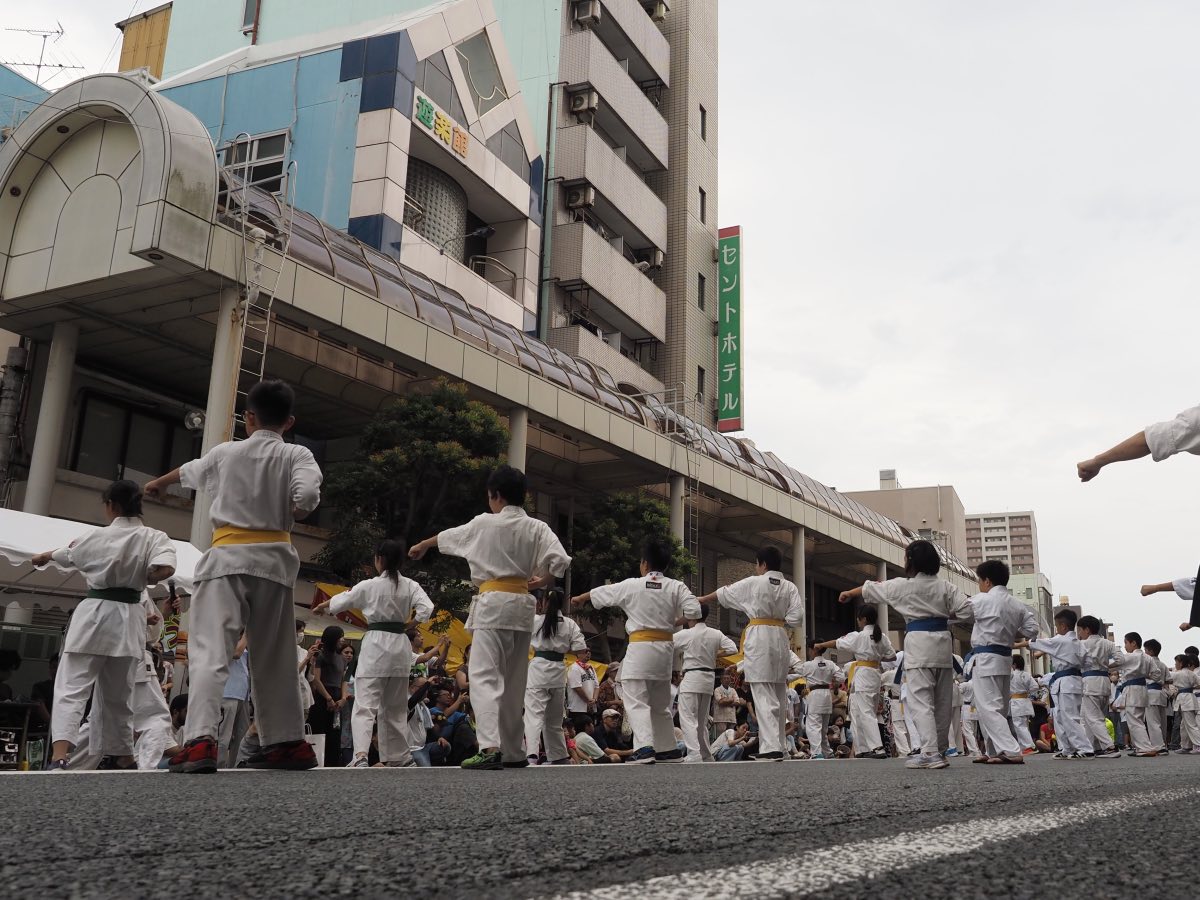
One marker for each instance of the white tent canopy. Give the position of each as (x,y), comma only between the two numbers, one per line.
(23,535)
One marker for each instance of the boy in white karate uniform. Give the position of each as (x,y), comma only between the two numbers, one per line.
(1066,685)
(774,606)
(697,649)
(106,639)
(1100,657)
(927,604)
(871,648)
(1186,682)
(652,604)
(1135,669)
(820,675)
(258,488)
(388,602)
(1000,619)
(970,717)
(1156,699)
(510,554)
(554,636)
(1022,688)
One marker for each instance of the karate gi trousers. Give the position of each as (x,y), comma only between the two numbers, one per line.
(113,679)
(1024,735)
(930,702)
(648,708)
(991,705)
(221,609)
(1139,736)
(499,669)
(1094,718)
(1189,728)
(543,720)
(693,722)
(900,728)
(1068,727)
(770,697)
(970,736)
(1156,722)
(863,722)
(381,702)
(235,722)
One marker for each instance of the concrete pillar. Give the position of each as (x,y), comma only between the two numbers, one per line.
(222,394)
(884,611)
(677,507)
(800,579)
(52,418)
(518,436)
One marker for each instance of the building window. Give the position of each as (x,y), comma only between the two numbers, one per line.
(116,440)
(249,16)
(261,160)
(703,205)
(700,381)
(703,124)
(482,73)
(701,285)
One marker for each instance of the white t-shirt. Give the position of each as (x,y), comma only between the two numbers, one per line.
(581,676)
(722,741)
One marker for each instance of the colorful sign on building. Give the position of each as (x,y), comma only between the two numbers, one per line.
(729,329)
(440,125)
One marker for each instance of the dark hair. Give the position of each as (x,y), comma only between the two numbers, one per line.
(509,484)
(1091,623)
(812,647)
(770,557)
(1193,661)
(921,558)
(994,570)
(554,605)
(1181,658)
(271,402)
(1192,651)
(330,637)
(1018,661)
(392,553)
(656,553)
(179,702)
(1153,645)
(1066,615)
(870,615)
(1135,638)
(301,624)
(703,612)
(126,496)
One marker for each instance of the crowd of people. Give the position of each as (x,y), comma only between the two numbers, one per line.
(243,691)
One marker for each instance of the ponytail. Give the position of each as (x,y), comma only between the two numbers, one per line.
(392,553)
(870,615)
(554,603)
(126,497)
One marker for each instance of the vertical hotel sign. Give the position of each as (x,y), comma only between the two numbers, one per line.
(729,329)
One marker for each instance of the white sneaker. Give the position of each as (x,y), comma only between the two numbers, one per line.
(359,762)
(927,762)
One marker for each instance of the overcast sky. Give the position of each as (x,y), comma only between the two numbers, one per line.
(971,250)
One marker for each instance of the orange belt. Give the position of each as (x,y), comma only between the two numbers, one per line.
(1020,696)
(231,534)
(505,586)
(649,634)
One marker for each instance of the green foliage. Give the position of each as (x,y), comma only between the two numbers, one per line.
(422,467)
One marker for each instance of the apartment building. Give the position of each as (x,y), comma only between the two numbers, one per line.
(934,513)
(1008,536)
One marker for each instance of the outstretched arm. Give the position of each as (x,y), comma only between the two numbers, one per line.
(1148,589)
(1133,447)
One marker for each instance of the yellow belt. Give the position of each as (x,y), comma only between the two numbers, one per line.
(231,534)
(778,623)
(649,634)
(505,586)
(1020,696)
(863,663)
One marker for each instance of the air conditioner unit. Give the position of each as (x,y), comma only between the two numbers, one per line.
(581,197)
(657,258)
(658,12)
(586,13)
(584,102)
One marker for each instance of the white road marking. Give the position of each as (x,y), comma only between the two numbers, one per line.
(819,870)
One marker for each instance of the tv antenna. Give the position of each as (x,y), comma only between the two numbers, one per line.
(45,34)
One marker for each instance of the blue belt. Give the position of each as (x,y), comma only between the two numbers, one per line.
(1064,673)
(1154,686)
(998,649)
(1131,682)
(933,623)
(1096,673)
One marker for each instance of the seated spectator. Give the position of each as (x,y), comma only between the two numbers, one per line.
(587,750)
(611,737)
(732,744)
(1046,741)
(608,695)
(462,675)
(455,737)
(420,723)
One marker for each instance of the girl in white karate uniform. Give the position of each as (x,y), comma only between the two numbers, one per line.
(106,639)
(385,659)
(1022,689)
(871,648)
(554,636)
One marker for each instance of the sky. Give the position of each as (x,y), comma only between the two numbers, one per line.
(970,255)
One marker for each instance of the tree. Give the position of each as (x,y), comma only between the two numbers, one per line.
(607,547)
(422,467)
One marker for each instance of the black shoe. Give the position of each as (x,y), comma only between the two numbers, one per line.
(109,763)
(670,756)
(522,764)
(772,755)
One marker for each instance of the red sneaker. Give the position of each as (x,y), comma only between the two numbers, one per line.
(196,757)
(292,755)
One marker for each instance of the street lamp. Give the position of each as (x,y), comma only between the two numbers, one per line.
(484,231)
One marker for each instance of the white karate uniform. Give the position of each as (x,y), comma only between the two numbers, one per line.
(1185,706)
(1020,709)
(544,687)
(1000,619)
(697,650)
(1136,665)
(1099,654)
(970,719)
(819,675)
(767,648)
(385,660)
(506,545)
(253,484)
(1156,704)
(865,683)
(928,661)
(106,639)
(650,603)
(894,690)
(1066,650)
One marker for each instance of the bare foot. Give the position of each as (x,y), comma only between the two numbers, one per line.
(1185,626)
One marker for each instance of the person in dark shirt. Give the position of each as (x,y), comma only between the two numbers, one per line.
(42,694)
(610,736)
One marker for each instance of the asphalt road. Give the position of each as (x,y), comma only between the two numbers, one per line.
(844,828)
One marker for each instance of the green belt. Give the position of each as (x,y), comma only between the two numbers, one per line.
(551,655)
(391,627)
(120,595)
